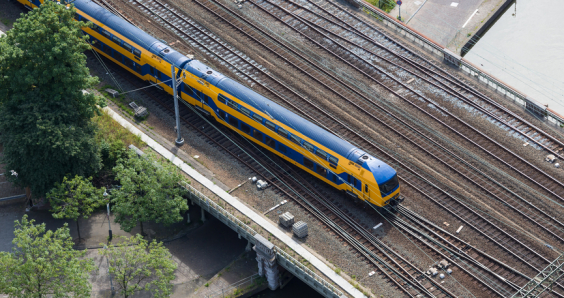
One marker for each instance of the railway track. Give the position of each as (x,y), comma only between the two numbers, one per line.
(341,22)
(517,204)
(249,77)
(510,200)
(506,280)
(399,271)
(309,29)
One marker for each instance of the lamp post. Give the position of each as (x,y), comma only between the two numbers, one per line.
(109,273)
(399,4)
(109,224)
(179,140)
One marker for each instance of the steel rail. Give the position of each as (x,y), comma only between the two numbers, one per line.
(421,288)
(453,79)
(466,125)
(464,250)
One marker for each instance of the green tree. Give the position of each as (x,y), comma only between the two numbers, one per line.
(45,117)
(149,192)
(44,263)
(137,266)
(74,198)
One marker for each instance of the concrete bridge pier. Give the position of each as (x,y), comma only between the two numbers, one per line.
(266,259)
(203,215)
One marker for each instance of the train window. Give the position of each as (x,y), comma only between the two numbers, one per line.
(233,121)
(208,99)
(96,43)
(334,178)
(321,154)
(76,16)
(245,111)
(245,128)
(188,90)
(308,163)
(321,171)
(349,178)
(333,160)
(222,115)
(137,52)
(232,104)
(308,146)
(152,71)
(296,139)
(107,50)
(257,135)
(106,34)
(137,68)
(282,148)
(95,27)
(270,142)
(282,132)
(389,185)
(199,96)
(221,98)
(366,188)
(270,125)
(127,47)
(159,75)
(116,39)
(257,117)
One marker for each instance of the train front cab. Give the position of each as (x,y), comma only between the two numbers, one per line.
(378,185)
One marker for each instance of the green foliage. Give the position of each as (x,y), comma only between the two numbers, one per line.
(138,266)
(74,198)
(385,5)
(45,118)
(44,263)
(149,192)
(113,140)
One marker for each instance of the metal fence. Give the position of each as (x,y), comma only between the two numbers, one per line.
(439,50)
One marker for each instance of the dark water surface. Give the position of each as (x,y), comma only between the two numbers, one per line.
(525,49)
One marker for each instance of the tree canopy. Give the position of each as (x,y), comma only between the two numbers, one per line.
(74,198)
(149,192)
(44,263)
(45,117)
(138,266)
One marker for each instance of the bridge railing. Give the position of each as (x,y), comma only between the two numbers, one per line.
(283,258)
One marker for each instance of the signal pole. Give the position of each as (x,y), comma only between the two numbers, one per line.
(179,140)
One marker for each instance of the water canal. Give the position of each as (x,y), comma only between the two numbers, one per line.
(525,49)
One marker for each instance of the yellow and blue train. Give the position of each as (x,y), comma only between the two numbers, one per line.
(306,145)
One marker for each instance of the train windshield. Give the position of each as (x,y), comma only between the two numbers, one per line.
(388,186)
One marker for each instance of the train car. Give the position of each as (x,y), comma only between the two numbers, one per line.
(293,138)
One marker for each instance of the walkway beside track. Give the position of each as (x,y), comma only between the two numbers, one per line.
(257,218)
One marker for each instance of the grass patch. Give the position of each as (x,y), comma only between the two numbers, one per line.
(385,5)
(6,21)
(111,131)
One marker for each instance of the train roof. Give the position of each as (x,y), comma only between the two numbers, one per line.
(131,32)
(287,117)
(230,86)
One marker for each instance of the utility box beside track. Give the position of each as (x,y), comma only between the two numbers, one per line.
(286,219)
(300,229)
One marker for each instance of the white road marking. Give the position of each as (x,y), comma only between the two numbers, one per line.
(469,18)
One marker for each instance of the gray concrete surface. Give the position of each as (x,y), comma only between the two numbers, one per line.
(443,20)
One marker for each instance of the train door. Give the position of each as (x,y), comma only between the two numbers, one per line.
(366,192)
